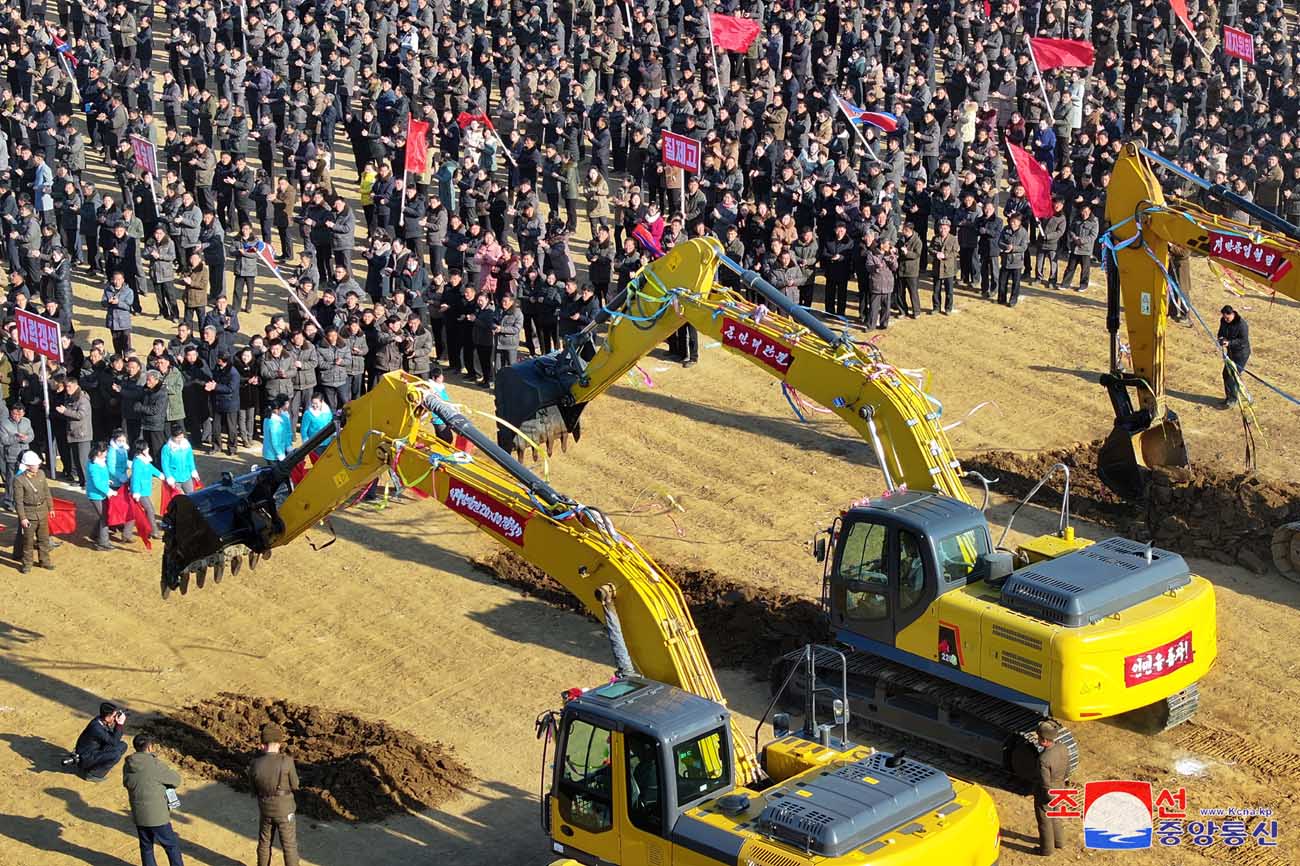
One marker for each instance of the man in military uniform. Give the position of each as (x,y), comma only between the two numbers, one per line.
(33,503)
(1053,765)
(274,779)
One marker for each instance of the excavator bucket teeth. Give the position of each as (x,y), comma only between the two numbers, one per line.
(1125,460)
(1286,550)
(234,516)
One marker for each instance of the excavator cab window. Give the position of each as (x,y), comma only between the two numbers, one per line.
(911,571)
(586,785)
(864,571)
(701,767)
(645,782)
(960,556)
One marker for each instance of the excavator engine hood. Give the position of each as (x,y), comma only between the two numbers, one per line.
(1092,583)
(535,397)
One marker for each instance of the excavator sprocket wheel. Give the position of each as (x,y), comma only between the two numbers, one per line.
(1286,550)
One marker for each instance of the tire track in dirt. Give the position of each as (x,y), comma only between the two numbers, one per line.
(1230,746)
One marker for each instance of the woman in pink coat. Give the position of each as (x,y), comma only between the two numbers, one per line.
(489,253)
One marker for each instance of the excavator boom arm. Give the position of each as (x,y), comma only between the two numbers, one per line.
(883,403)
(1148,232)
(384,430)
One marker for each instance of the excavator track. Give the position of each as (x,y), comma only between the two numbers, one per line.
(915,704)
(1181,706)
(1286,550)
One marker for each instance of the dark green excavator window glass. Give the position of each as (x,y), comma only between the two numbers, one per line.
(586,782)
(702,766)
(863,568)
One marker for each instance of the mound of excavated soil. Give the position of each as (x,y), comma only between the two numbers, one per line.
(1198,510)
(741,625)
(349,768)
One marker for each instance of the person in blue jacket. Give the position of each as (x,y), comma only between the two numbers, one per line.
(99,487)
(277,431)
(317,417)
(178,461)
(118,459)
(143,472)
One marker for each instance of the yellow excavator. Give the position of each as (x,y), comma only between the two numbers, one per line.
(649,769)
(1145,227)
(952,644)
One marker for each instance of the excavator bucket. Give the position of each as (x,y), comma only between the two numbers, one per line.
(219,525)
(1286,550)
(1126,458)
(533,397)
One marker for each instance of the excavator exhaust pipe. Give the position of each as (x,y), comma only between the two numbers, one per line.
(1126,459)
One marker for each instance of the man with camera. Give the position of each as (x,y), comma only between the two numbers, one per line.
(100,745)
(151,789)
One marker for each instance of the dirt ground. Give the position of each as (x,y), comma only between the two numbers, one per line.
(394,624)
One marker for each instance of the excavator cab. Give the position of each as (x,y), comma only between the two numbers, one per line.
(893,557)
(643,773)
(631,757)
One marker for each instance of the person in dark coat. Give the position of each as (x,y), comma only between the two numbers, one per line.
(152,409)
(1012,244)
(1053,767)
(1234,340)
(100,745)
(225,403)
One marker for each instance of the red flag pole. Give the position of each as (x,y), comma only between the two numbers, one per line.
(275,272)
(713,52)
(401,216)
(1043,87)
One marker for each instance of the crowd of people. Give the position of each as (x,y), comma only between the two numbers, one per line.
(539,189)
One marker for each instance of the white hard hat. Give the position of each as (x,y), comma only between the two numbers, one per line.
(31,458)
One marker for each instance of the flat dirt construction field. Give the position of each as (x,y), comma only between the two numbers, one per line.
(396,649)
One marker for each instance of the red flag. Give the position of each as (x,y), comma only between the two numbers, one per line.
(169,492)
(1180,9)
(417,144)
(464,119)
(119,506)
(732,32)
(298,473)
(1051,53)
(1035,179)
(143,527)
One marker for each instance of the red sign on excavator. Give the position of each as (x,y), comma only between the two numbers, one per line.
(1245,253)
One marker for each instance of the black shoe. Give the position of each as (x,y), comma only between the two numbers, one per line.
(689,362)
(103,547)
(25,569)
